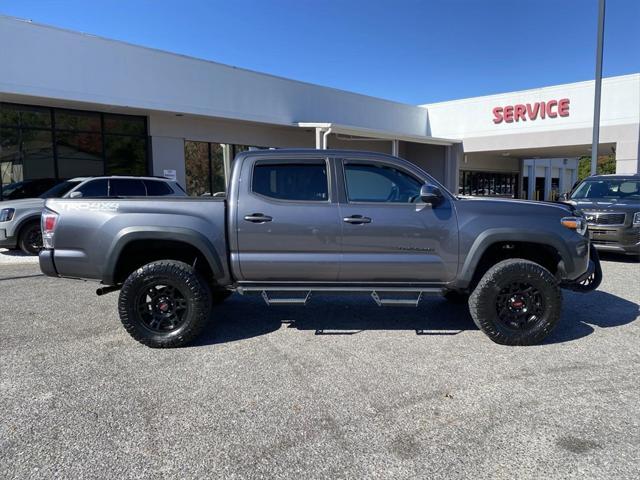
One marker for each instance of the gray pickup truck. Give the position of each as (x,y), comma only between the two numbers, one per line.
(302,222)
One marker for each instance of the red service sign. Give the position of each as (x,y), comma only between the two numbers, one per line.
(531,111)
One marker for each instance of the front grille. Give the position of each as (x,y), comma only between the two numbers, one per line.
(598,218)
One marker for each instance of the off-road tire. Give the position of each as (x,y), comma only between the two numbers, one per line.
(484,301)
(192,288)
(25,238)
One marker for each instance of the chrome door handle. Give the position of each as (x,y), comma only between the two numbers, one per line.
(258,218)
(356,219)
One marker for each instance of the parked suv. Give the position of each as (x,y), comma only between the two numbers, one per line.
(28,188)
(611,206)
(20,219)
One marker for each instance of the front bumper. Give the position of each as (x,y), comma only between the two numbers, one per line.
(5,241)
(622,239)
(589,280)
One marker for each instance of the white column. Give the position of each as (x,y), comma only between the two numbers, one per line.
(562,185)
(395,147)
(531,187)
(547,183)
(574,177)
(318,138)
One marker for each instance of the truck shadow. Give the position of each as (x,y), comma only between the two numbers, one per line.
(241,317)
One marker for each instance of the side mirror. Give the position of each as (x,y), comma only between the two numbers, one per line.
(564,197)
(430,194)
(75,194)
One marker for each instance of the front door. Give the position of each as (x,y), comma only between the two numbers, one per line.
(288,226)
(388,233)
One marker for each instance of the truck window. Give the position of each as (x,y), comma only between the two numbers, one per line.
(157,188)
(93,188)
(378,183)
(126,187)
(291,181)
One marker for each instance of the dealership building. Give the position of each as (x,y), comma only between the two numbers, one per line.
(73,104)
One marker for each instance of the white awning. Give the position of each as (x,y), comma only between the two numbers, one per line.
(334,128)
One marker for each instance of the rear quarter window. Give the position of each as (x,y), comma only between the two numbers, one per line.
(127,187)
(158,188)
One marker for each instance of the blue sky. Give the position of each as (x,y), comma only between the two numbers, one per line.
(406,50)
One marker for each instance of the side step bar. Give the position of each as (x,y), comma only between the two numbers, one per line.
(385,300)
(285,301)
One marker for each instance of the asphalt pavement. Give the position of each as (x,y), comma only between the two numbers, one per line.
(339,389)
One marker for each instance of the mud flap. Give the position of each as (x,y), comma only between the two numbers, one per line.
(592,279)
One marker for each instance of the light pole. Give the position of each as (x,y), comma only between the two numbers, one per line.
(596,105)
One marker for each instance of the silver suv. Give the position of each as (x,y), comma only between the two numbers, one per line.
(20,219)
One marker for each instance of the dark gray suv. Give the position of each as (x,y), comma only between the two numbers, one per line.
(611,206)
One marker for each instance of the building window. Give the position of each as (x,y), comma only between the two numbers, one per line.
(493,184)
(205,166)
(52,143)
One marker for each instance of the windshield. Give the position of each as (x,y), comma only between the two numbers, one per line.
(8,190)
(60,189)
(619,188)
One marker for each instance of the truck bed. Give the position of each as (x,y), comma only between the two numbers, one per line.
(91,232)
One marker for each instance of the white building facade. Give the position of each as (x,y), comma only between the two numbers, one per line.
(73,104)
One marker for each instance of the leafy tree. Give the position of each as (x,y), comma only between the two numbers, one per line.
(606,164)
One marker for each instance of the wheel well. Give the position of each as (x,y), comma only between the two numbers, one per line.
(140,252)
(540,253)
(25,223)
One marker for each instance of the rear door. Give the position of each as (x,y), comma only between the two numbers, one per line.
(288,226)
(388,234)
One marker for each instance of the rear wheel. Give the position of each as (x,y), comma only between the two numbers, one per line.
(517,302)
(30,238)
(164,304)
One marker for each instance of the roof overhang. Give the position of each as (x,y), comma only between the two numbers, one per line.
(376,134)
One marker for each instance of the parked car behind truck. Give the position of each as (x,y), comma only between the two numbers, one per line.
(611,206)
(301,222)
(20,219)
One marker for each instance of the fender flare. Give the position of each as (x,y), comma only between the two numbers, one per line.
(176,234)
(496,235)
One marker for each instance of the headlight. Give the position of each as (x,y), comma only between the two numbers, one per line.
(575,223)
(6,214)
(636,219)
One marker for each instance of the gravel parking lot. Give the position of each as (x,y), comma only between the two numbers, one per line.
(341,389)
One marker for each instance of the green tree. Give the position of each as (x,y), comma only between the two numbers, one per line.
(606,164)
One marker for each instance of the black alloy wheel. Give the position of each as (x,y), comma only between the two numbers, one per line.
(162,308)
(516,302)
(519,305)
(165,304)
(30,239)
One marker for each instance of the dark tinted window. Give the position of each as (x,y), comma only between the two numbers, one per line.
(377,183)
(59,190)
(94,188)
(292,181)
(78,120)
(157,188)
(127,187)
(124,124)
(126,155)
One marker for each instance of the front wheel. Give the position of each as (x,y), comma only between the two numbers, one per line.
(517,302)
(30,238)
(164,304)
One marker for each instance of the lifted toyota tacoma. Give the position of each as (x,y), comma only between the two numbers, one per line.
(300,222)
